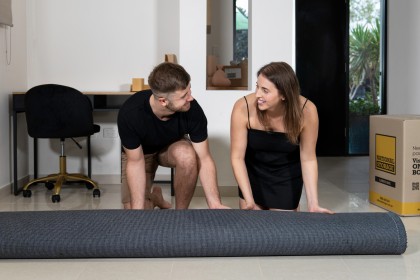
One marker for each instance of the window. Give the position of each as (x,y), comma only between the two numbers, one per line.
(366,94)
(240,47)
(227,45)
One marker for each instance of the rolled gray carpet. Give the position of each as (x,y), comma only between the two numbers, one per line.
(196,233)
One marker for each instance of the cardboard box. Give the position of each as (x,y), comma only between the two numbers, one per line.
(238,75)
(394,175)
(170,57)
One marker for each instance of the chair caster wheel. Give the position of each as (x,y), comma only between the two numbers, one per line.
(89,186)
(27,193)
(96,193)
(55,198)
(49,185)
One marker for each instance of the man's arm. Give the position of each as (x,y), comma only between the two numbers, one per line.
(136,177)
(207,174)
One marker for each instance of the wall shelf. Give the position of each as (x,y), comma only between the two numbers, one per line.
(227,88)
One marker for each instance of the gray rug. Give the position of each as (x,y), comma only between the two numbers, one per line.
(196,233)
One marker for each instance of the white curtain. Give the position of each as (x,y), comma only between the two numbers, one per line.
(6,12)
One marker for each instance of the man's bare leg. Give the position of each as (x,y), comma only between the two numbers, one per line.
(182,156)
(157,198)
(153,199)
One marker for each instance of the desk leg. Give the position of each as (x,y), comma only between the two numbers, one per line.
(15,189)
(35,158)
(89,159)
(172,182)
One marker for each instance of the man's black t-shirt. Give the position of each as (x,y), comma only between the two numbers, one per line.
(139,126)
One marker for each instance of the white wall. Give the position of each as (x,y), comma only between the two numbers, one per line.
(101,45)
(220,39)
(271,42)
(12,78)
(96,45)
(109,42)
(403,57)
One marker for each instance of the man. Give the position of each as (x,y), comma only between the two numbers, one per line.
(165,126)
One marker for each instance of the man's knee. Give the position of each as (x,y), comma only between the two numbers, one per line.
(185,156)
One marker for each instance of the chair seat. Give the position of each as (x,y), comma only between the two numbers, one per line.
(96,128)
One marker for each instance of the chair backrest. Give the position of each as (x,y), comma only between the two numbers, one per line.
(57,111)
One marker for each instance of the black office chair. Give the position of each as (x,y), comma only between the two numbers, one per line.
(56,111)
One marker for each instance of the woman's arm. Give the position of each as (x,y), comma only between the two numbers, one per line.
(238,140)
(308,139)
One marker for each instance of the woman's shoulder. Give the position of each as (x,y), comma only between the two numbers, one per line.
(310,113)
(243,105)
(245,100)
(306,104)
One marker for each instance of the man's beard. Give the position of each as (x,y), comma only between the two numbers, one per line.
(174,109)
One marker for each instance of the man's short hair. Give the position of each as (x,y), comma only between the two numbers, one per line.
(168,77)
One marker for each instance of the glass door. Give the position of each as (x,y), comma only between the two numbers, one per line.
(366,70)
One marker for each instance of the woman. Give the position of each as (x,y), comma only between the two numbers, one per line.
(273,139)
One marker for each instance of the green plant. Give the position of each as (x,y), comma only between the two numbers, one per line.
(364,58)
(363,107)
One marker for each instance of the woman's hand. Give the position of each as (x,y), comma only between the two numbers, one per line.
(250,205)
(220,206)
(319,209)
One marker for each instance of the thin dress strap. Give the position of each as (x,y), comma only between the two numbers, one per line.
(305,103)
(247,109)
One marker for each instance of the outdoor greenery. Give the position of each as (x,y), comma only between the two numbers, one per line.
(241,45)
(363,107)
(240,51)
(364,58)
(363,11)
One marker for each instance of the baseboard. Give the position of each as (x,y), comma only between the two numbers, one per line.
(115,179)
(162,179)
(7,189)
(107,179)
(225,191)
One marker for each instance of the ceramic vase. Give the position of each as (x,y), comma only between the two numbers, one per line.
(219,78)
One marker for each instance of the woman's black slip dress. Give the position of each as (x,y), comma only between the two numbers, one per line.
(274,169)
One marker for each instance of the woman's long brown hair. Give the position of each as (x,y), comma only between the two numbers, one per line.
(286,82)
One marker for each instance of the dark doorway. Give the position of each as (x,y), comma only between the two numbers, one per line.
(321,66)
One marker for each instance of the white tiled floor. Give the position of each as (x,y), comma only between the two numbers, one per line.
(343,187)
